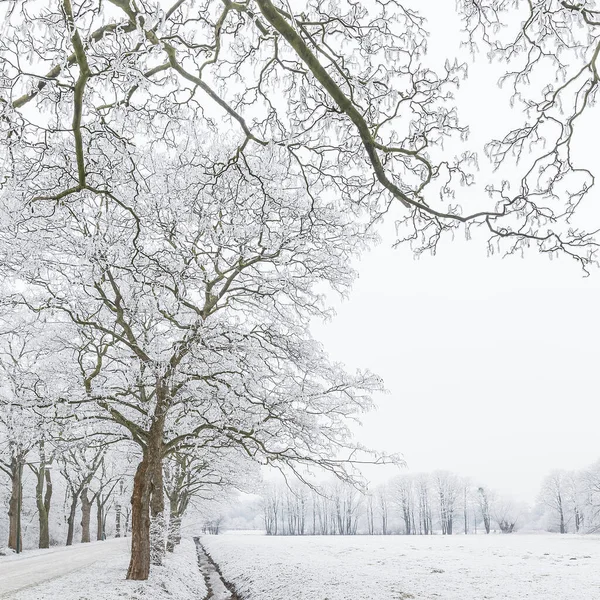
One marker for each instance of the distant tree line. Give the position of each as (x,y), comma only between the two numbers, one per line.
(440,502)
(419,504)
(569,501)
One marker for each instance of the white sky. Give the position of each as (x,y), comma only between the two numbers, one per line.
(491,364)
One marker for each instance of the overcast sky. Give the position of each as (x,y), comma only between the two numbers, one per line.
(492,365)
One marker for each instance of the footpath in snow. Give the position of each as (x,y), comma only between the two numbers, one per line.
(21,571)
(96,571)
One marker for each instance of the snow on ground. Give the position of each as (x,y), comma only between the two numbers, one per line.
(96,571)
(476,567)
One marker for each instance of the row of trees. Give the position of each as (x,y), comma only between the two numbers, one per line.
(420,504)
(438,502)
(55,486)
(181,181)
(572,500)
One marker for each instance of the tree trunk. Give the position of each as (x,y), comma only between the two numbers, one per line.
(71,518)
(174,533)
(406,517)
(149,468)
(563,528)
(118,511)
(42,499)
(561,514)
(86,512)
(127,521)
(139,565)
(15,540)
(158,527)
(118,520)
(465,512)
(99,518)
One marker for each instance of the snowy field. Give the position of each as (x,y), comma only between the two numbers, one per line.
(96,571)
(493,567)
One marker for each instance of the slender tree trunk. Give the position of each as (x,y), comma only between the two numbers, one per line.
(15,540)
(42,498)
(563,528)
(127,521)
(158,526)
(118,509)
(99,518)
(465,512)
(406,517)
(118,520)
(71,518)
(86,513)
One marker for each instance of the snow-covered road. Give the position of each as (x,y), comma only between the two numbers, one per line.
(29,569)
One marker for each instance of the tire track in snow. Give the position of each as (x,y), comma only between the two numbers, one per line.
(218,587)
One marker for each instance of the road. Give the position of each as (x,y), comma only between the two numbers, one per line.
(29,569)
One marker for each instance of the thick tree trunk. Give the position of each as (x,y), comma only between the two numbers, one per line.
(139,565)
(143,484)
(71,518)
(15,540)
(86,513)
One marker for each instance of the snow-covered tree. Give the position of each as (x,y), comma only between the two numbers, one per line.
(403,496)
(554,496)
(191,312)
(182,180)
(446,488)
(485,500)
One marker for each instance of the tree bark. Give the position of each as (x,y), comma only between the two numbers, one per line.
(157,513)
(99,518)
(174,533)
(148,470)
(86,512)
(15,540)
(71,518)
(139,565)
(42,499)
(118,511)
(178,504)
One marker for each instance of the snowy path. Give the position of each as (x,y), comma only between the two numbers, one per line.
(22,571)
(217,590)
